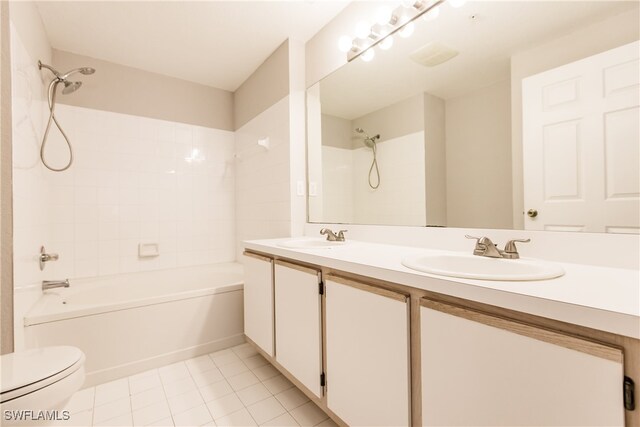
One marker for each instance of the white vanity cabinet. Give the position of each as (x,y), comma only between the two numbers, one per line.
(480,369)
(258,301)
(299,323)
(367,354)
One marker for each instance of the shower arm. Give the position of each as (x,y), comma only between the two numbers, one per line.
(48,67)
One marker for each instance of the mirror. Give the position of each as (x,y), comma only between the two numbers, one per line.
(511,115)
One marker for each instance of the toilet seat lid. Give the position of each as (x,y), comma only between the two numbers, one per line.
(32,366)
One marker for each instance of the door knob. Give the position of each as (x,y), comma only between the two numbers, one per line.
(532,213)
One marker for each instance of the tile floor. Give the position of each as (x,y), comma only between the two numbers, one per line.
(232,387)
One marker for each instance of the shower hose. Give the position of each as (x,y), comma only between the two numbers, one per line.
(374,165)
(52,118)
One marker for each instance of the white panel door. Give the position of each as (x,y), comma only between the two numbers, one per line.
(483,373)
(299,323)
(581,144)
(258,301)
(367,351)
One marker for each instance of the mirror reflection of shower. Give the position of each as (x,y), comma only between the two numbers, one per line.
(69,87)
(370,141)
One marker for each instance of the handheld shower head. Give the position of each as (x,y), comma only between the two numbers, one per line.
(82,70)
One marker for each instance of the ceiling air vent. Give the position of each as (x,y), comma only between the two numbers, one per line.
(433,54)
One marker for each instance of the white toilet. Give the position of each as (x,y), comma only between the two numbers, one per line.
(41,379)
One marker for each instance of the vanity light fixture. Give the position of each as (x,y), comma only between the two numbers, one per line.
(388,23)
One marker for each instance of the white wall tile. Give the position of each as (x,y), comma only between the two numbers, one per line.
(134,179)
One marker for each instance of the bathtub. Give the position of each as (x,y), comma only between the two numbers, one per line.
(133,322)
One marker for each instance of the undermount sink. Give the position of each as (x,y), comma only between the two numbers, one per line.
(484,268)
(310,244)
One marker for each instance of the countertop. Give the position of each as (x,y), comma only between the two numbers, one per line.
(602,298)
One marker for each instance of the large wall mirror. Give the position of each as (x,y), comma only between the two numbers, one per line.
(512,115)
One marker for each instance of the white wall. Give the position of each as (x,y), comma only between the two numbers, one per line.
(30,186)
(263,197)
(337,185)
(137,180)
(400,198)
(478,156)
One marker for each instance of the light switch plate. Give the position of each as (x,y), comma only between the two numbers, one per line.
(313,189)
(300,188)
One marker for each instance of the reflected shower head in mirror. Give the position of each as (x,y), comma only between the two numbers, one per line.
(369,141)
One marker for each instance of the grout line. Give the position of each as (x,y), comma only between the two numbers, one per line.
(166,399)
(93,405)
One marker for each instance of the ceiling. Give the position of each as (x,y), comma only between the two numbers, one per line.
(485,44)
(215,43)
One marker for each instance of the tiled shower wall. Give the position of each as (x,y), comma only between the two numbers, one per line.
(134,180)
(400,198)
(138,180)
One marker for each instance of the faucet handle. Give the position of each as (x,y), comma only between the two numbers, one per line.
(472,237)
(331,236)
(510,248)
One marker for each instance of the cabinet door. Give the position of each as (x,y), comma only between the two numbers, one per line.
(258,300)
(298,323)
(479,369)
(367,351)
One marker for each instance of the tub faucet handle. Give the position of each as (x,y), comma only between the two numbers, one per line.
(45,257)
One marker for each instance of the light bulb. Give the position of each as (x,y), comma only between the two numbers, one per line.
(362,30)
(386,43)
(457,3)
(383,15)
(368,55)
(345,43)
(432,14)
(407,30)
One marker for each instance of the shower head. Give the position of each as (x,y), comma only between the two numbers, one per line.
(63,77)
(82,70)
(369,141)
(70,87)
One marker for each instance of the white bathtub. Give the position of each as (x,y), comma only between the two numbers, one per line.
(133,322)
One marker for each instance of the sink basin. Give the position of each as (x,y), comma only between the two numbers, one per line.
(483,268)
(310,244)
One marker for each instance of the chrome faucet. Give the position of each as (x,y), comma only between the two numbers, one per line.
(333,237)
(485,247)
(51,284)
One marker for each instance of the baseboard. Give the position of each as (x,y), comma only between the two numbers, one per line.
(132,368)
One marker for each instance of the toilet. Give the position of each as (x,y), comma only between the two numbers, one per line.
(42,379)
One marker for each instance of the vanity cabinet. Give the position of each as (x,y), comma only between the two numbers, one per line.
(481,369)
(367,353)
(258,301)
(298,321)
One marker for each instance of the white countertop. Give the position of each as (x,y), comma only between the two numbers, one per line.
(602,298)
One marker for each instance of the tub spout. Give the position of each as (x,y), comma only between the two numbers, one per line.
(50,284)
